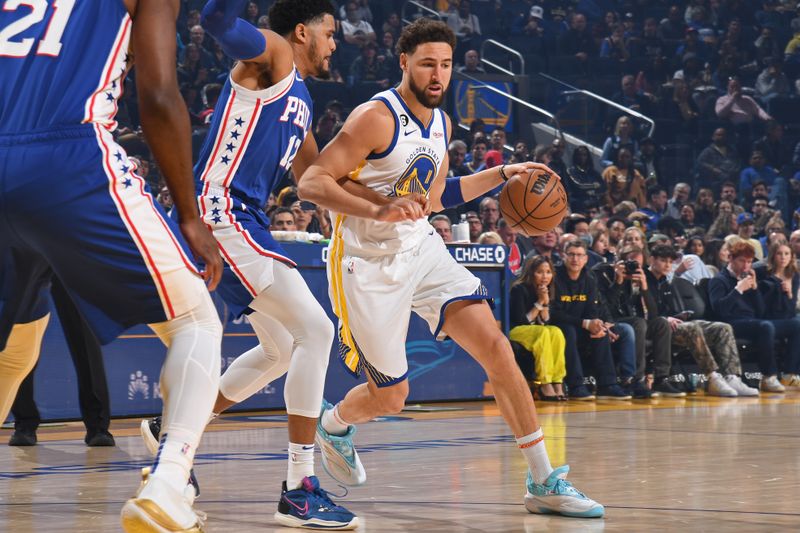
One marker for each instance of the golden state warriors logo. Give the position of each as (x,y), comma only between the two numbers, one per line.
(418,176)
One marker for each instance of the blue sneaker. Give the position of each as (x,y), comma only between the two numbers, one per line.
(557,496)
(310,507)
(339,457)
(580,393)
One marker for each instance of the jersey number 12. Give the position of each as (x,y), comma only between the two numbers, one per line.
(50,44)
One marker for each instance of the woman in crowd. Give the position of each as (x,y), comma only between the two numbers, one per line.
(688,221)
(585,186)
(724,223)
(717,255)
(704,208)
(696,245)
(530,313)
(622,138)
(623,181)
(600,243)
(779,282)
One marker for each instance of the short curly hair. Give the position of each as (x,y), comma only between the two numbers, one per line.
(285,15)
(424,30)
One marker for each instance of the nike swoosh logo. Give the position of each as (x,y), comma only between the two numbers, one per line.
(308,447)
(302,510)
(407,133)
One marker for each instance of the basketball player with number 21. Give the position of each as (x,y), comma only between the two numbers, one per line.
(381,268)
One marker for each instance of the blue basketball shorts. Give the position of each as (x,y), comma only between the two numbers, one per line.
(71,203)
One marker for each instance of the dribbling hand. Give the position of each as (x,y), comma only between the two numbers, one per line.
(204,246)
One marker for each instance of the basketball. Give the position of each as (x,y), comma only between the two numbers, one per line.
(533,202)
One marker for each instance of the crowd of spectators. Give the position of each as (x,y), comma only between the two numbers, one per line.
(720,77)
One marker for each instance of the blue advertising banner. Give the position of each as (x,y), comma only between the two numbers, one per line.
(437,370)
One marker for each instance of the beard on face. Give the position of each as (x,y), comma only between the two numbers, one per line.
(429,101)
(318,61)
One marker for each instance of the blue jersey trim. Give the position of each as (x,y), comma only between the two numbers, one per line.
(426,132)
(396,130)
(444,127)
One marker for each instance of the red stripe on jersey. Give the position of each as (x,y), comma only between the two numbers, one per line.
(243,147)
(220,136)
(107,77)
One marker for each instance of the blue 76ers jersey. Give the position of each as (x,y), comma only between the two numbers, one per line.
(61,63)
(253,140)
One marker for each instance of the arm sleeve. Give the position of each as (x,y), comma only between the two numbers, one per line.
(239,39)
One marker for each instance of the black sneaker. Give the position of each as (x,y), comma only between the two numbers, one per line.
(663,387)
(99,437)
(640,391)
(612,392)
(23,437)
(580,393)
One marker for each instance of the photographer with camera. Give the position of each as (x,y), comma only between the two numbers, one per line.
(735,298)
(629,300)
(704,339)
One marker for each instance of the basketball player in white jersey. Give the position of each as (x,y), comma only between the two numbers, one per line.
(379,272)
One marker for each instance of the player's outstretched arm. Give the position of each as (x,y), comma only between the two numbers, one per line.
(239,39)
(165,122)
(451,192)
(368,129)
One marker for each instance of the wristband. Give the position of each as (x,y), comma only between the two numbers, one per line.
(502,170)
(452,195)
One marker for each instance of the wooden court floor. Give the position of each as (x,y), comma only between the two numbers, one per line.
(699,464)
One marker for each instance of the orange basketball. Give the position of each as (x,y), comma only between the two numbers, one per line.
(533,203)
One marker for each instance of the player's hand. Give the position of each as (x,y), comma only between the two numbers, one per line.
(422,200)
(674,322)
(399,210)
(526,167)
(204,246)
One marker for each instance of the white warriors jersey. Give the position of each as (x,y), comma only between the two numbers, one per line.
(409,165)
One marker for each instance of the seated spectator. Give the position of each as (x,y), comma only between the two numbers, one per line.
(687,218)
(443,227)
(772,83)
(760,171)
(393,25)
(680,197)
(704,209)
(776,152)
(622,138)
(717,255)
(521,153)
(647,162)
(616,230)
(681,107)
(744,233)
(465,25)
(282,219)
(695,245)
(672,28)
(529,316)
(557,164)
(490,237)
(630,302)
(472,63)
(478,152)
(547,246)
(735,299)
(368,68)
(355,30)
(497,140)
(727,192)
(791,54)
(724,224)
(577,41)
(718,162)
(490,213)
(614,46)
(656,205)
(457,151)
(738,108)
(600,244)
(475,226)
(575,311)
(712,344)
(623,181)
(585,187)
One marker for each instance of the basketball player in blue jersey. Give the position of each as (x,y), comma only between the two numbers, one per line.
(260,131)
(71,203)
(379,272)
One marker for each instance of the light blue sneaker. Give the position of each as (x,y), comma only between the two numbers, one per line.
(557,495)
(339,457)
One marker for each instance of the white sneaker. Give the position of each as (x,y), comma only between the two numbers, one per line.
(771,384)
(791,381)
(717,386)
(739,386)
(158,508)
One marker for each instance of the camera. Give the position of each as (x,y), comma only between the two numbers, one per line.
(631,267)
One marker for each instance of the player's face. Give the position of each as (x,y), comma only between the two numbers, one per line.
(429,70)
(320,46)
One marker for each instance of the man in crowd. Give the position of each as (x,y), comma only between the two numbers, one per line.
(718,161)
(547,245)
(745,228)
(680,197)
(702,338)
(443,227)
(282,219)
(727,193)
(490,213)
(457,151)
(472,63)
(656,206)
(478,153)
(575,310)
(735,299)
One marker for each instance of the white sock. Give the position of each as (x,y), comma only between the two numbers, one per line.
(333,423)
(301,464)
(532,447)
(173,462)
